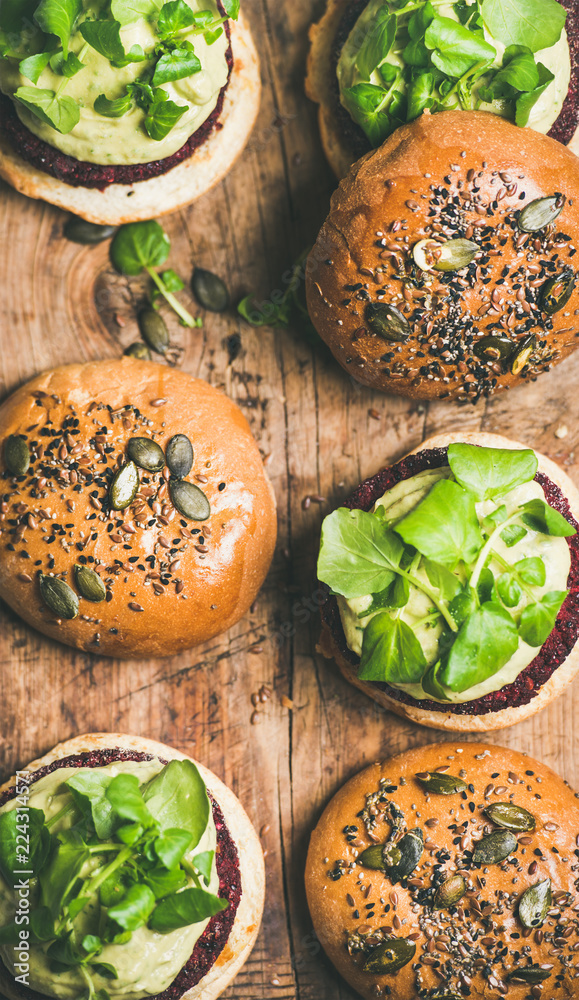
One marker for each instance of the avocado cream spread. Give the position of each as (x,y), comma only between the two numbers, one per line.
(449,586)
(125,83)
(118,899)
(403,58)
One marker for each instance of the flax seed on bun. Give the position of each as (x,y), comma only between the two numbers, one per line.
(557,661)
(227,942)
(167,581)
(467,939)
(188,180)
(450,176)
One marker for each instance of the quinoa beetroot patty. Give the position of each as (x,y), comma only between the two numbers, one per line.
(79,173)
(216,934)
(563,129)
(551,654)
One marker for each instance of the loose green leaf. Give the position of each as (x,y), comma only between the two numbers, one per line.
(486,641)
(357,554)
(162,115)
(89,792)
(61,113)
(139,245)
(57,879)
(509,590)
(444,525)
(174,16)
(126,798)
(57,17)
(535,23)
(128,11)
(130,833)
(538,620)
(488,473)
(486,586)
(113,108)
(391,652)
(163,882)
(540,516)
(366,103)
(24,842)
(171,846)
(519,72)
(532,571)
(204,864)
(513,534)
(464,603)
(231,8)
(394,596)
(432,685)
(176,65)
(526,102)
(66,67)
(105,37)
(420,95)
(377,44)
(177,798)
(442,579)
(134,909)
(64,953)
(33,67)
(184,908)
(456,49)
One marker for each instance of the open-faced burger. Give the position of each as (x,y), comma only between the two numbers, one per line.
(377,64)
(136,518)
(447,265)
(122,111)
(127,871)
(449,872)
(453,583)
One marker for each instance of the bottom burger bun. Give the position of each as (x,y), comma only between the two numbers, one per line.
(333,644)
(210,162)
(176,558)
(249,913)
(423,864)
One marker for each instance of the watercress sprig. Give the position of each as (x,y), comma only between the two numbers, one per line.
(480,620)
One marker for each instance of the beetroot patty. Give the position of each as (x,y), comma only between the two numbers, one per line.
(563,129)
(552,653)
(79,173)
(216,934)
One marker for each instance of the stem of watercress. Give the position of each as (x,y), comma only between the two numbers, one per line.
(488,548)
(185,316)
(432,596)
(95,881)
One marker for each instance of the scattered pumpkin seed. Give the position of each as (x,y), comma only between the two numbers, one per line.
(88,233)
(154,331)
(494,348)
(179,455)
(139,350)
(209,290)
(410,849)
(390,956)
(557,291)
(539,213)
(372,857)
(535,903)
(510,816)
(387,321)
(449,893)
(189,500)
(146,454)
(455,254)
(495,848)
(532,974)
(124,486)
(59,597)
(523,355)
(16,455)
(443,994)
(425,254)
(441,784)
(89,583)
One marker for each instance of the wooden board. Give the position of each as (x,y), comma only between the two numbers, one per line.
(60,302)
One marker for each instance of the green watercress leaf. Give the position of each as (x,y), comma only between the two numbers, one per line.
(61,113)
(64,953)
(377,43)
(33,66)
(442,579)
(105,37)
(106,970)
(177,798)
(115,886)
(128,11)
(509,590)
(92,944)
(492,520)
(526,102)
(139,245)
(485,642)
(420,95)
(456,50)
(134,909)
(538,620)
(57,17)
(394,596)
(421,21)
(463,604)
(357,553)
(391,652)
(432,685)
(130,833)
(171,846)
(444,525)
(486,586)
(491,472)
(176,64)
(366,104)
(535,23)
(126,798)
(519,72)
(30,853)
(540,516)
(204,864)
(163,882)
(513,534)
(88,789)
(57,879)
(174,16)
(184,908)
(231,8)
(115,108)
(162,115)
(532,571)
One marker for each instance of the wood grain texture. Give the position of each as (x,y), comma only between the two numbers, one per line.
(60,302)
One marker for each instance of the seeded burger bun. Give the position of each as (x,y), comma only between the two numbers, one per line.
(407,309)
(452,906)
(230,945)
(201,170)
(557,661)
(343,140)
(181,559)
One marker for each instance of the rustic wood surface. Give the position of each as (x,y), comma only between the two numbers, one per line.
(320,434)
